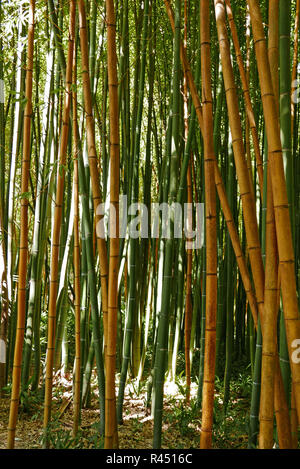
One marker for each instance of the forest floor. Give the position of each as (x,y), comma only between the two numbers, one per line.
(181,422)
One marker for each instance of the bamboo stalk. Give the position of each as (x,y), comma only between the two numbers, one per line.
(220,188)
(93,160)
(211,233)
(55,243)
(295,64)
(76,256)
(281,208)
(269,325)
(247,98)
(111,435)
(166,260)
(188,302)
(246,192)
(14,404)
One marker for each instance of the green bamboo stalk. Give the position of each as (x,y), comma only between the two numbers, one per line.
(37,253)
(132,301)
(160,361)
(229,289)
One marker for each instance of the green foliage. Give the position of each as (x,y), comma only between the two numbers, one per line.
(95,440)
(231,429)
(60,438)
(30,401)
(183,416)
(137,425)
(181,387)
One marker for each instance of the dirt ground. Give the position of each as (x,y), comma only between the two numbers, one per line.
(136,432)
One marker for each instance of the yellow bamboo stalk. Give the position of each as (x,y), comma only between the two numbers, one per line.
(294,419)
(219,183)
(273,46)
(281,207)
(269,328)
(55,242)
(211,232)
(23,256)
(271,282)
(248,55)
(93,161)
(281,410)
(280,404)
(111,435)
(247,98)
(235,240)
(244,181)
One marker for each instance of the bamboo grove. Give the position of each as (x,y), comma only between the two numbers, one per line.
(160,103)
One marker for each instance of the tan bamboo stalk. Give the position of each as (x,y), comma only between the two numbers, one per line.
(247,98)
(23,256)
(111,435)
(273,46)
(211,232)
(294,420)
(76,404)
(280,403)
(281,207)
(93,161)
(235,240)
(220,187)
(269,328)
(281,410)
(281,407)
(55,242)
(244,181)
(294,85)
(295,62)
(293,411)
(248,55)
